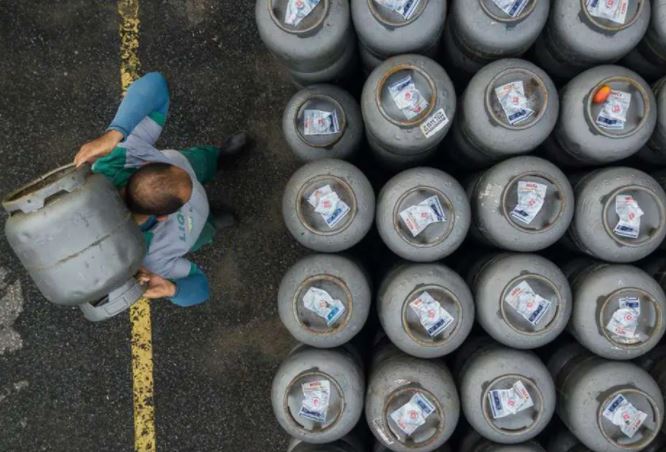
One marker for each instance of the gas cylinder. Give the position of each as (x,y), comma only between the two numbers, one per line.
(619,216)
(324,300)
(328,205)
(408,104)
(521,204)
(385,30)
(522,300)
(317,395)
(426,310)
(479,32)
(608,405)
(607,113)
(411,404)
(74,235)
(580,34)
(322,121)
(423,214)
(507,395)
(316,43)
(619,311)
(509,107)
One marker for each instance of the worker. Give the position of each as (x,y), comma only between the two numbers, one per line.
(162,189)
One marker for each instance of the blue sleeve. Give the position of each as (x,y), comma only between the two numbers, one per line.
(146,96)
(191,290)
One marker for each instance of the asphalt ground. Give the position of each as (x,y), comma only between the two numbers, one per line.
(65,383)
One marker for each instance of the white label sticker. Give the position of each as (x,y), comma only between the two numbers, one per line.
(527,303)
(623,414)
(315,400)
(321,303)
(531,197)
(506,402)
(614,10)
(413,414)
(436,122)
(405,8)
(624,321)
(297,10)
(512,7)
(328,204)
(630,215)
(513,101)
(318,122)
(432,315)
(408,98)
(613,114)
(417,218)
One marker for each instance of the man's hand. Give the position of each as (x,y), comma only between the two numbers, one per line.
(98,147)
(158,287)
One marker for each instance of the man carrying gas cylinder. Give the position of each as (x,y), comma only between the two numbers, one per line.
(162,189)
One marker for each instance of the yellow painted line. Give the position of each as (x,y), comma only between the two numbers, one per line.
(142,341)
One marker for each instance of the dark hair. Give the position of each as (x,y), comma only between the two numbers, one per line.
(154,190)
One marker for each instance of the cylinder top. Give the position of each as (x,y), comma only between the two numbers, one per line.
(439,333)
(636,115)
(327,131)
(519,214)
(392,18)
(633,11)
(517,11)
(537,315)
(435,233)
(644,434)
(503,94)
(413,395)
(394,90)
(34,196)
(312,321)
(294,402)
(326,224)
(313,20)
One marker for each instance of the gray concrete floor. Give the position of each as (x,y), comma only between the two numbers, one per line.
(65,384)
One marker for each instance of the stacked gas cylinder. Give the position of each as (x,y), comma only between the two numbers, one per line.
(510,296)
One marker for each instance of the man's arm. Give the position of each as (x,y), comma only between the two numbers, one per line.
(191,290)
(146,97)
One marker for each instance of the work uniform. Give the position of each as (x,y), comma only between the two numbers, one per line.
(140,118)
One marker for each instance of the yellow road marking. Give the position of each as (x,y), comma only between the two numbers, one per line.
(142,344)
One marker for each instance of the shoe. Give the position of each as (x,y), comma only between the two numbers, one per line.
(223,218)
(231,148)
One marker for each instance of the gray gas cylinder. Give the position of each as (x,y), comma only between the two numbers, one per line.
(498,217)
(403,387)
(654,152)
(575,38)
(589,386)
(599,231)
(384,32)
(72,232)
(336,281)
(649,57)
(336,371)
(397,212)
(507,395)
(473,442)
(337,136)
(522,300)
(580,140)
(313,48)
(348,443)
(479,32)
(406,137)
(486,130)
(407,296)
(340,223)
(619,311)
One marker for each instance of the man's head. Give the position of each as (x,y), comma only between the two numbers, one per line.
(158,189)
